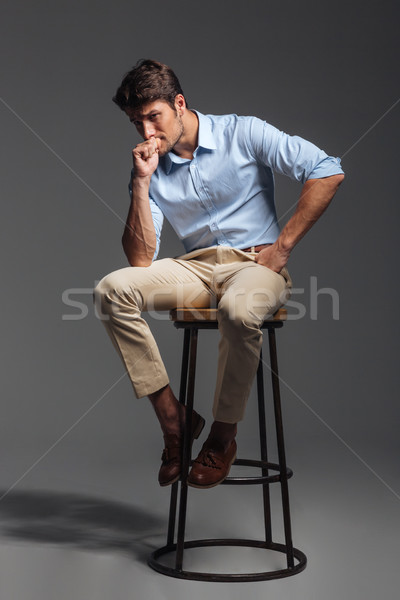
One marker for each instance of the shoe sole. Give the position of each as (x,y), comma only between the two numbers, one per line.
(211,485)
(195,434)
(172,481)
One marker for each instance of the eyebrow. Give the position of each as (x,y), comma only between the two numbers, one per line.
(144,115)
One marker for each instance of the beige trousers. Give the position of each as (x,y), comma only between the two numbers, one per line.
(245,293)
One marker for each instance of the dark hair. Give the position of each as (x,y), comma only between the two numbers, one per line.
(147,81)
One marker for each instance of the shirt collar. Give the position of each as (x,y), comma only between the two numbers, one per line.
(206,141)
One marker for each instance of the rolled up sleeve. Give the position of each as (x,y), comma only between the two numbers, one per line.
(291,155)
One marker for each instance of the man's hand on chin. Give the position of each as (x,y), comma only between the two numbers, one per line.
(273,257)
(145,157)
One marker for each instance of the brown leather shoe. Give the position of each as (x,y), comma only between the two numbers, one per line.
(212,465)
(170,469)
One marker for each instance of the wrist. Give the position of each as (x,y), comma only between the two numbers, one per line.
(141,181)
(284,246)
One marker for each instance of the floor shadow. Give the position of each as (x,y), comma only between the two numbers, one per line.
(78,521)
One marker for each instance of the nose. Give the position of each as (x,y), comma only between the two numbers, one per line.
(148,130)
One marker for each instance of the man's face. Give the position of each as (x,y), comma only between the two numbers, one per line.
(158,119)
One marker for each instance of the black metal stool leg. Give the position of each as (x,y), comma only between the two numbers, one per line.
(281,448)
(172,514)
(186,449)
(263,449)
(185,366)
(182,400)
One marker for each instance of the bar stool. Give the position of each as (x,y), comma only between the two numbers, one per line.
(191,320)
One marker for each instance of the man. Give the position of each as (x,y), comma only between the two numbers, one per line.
(212,178)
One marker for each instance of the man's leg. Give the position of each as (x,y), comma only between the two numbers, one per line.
(170,413)
(120,298)
(248,297)
(172,418)
(248,294)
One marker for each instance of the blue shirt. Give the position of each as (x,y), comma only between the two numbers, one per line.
(224,195)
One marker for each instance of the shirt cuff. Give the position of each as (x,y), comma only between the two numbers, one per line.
(327,167)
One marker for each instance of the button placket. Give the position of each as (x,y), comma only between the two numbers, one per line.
(203,196)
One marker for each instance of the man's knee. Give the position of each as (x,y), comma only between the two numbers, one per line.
(235,320)
(109,283)
(114,290)
(247,310)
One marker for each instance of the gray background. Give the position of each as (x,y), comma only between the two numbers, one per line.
(80,505)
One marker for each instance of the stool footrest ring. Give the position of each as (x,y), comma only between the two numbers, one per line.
(259,479)
(228,577)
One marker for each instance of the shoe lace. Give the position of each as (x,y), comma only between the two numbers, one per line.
(207,460)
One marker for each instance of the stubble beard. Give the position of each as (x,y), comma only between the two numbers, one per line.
(171,143)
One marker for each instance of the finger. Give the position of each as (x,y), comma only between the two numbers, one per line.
(145,152)
(150,147)
(154,144)
(142,154)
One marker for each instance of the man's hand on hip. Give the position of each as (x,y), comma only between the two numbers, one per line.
(272,257)
(145,157)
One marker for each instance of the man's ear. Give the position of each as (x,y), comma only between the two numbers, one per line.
(180,104)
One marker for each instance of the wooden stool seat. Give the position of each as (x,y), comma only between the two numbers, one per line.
(210,314)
